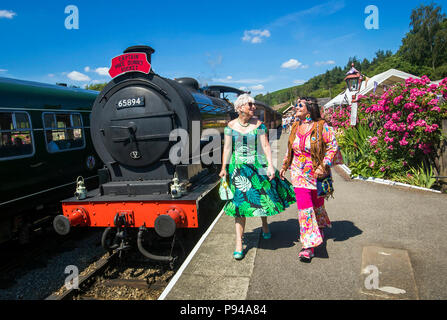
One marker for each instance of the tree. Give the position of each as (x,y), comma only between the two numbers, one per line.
(425,44)
(96,87)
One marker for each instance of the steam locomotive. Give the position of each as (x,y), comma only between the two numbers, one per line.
(152,134)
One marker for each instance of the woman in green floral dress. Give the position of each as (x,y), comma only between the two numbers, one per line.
(258,191)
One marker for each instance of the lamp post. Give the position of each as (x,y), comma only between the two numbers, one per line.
(354,81)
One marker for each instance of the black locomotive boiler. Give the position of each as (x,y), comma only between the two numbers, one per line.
(155,185)
(141,189)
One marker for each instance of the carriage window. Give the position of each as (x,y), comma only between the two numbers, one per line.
(63,131)
(16,136)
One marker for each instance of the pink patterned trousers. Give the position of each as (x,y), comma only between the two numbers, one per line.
(311,216)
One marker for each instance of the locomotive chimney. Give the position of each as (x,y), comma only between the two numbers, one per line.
(146,49)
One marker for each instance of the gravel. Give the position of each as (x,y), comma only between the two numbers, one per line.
(46,274)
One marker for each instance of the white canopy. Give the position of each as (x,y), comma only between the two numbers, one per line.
(381,82)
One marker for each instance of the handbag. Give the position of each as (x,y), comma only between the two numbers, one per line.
(325,186)
(224,190)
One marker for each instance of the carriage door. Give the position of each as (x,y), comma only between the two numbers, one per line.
(64,139)
(17,154)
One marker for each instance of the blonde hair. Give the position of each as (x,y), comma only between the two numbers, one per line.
(241,101)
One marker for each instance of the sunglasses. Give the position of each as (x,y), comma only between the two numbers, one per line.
(250,104)
(300,105)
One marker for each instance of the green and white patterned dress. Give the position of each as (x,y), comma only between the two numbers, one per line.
(254,194)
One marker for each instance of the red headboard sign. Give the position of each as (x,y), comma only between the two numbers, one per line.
(129,62)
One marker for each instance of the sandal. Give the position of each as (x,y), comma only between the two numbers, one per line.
(238,255)
(267,235)
(306,255)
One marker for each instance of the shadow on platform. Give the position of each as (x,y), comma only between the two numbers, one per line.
(285,234)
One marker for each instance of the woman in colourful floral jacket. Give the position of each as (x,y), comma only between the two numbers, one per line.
(311,150)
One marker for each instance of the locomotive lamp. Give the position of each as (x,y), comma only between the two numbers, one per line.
(176,188)
(81,191)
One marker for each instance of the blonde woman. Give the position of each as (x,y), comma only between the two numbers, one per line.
(257,189)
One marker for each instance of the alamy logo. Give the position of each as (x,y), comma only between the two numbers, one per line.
(72,281)
(372,280)
(72,21)
(372,21)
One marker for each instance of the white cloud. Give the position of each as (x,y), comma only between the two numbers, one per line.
(292,64)
(87,69)
(7,14)
(51,75)
(299,81)
(230,79)
(102,71)
(252,88)
(77,76)
(3,70)
(98,81)
(257,87)
(255,36)
(322,63)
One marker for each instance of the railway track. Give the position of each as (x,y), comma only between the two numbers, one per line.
(112,278)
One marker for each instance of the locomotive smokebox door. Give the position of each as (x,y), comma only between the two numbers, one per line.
(136,123)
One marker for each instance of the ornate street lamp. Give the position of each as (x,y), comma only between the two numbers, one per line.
(354,81)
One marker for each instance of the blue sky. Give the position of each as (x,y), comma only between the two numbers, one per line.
(261,46)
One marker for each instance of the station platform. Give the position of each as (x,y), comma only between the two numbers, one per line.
(385,243)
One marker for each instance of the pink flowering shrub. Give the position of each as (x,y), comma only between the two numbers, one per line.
(406,121)
(338,118)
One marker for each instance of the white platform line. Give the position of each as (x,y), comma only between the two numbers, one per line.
(188,260)
(387,182)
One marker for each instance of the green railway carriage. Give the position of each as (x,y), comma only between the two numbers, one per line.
(45,145)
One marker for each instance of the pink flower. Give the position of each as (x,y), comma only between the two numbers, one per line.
(433,102)
(426,149)
(397,100)
(372,164)
(373,141)
(421,123)
(433,87)
(403,142)
(431,128)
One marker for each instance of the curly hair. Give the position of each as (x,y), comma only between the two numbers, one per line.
(241,101)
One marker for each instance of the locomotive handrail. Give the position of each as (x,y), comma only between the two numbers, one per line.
(152,115)
(124,83)
(141,138)
(225,109)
